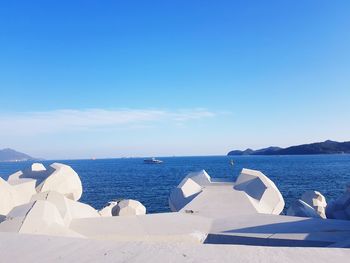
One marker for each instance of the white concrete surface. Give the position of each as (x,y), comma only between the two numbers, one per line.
(276,230)
(43,249)
(163,227)
(239,218)
(219,200)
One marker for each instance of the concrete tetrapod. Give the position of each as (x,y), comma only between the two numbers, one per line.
(128,207)
(107,210)
(58,177)
(39,217)
(25,189)
(261,191)
(188,189)
(317,201)
(302,209)
(68,208)
(8,197)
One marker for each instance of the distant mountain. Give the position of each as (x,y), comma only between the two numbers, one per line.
(326,147)
(9,155)
(257,152)
(238,152)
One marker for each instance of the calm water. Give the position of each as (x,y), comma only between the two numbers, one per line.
(105,180)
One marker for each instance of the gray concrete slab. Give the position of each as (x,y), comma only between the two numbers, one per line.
(174,227)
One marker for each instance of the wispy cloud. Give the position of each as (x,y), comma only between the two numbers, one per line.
(68,120)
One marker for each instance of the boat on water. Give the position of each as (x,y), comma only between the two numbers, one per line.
(152,161)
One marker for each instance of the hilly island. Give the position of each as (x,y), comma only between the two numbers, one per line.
(10,155)
(326,147)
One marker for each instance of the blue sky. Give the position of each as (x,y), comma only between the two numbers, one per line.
(149,78)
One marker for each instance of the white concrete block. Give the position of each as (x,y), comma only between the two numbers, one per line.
(33,218)
(188,189)
(25,189)
(81,210)
(183,194)
(317,201)
(63,180)
(107,210)
(68,208)
(59,201)
(40,217)
(58,177)
(302,209)
(202,177)
(8,197)
(15,176)
(262,192)
(36,167)
(128,207)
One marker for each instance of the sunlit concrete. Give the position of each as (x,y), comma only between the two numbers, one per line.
(42,249)
(212,217)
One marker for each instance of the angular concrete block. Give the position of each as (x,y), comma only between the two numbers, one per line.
(81,210)
(317,201)
(129,207)
(36,167)
(59,201)
(68,208)
(63,180)
(8,197)
(58,177)
(32,218)
(202,177)
(302,209)
(188,189)
(261,191)
(107,210)
(25,189)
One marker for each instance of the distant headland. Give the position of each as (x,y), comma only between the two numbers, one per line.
(326,147)
(10,155)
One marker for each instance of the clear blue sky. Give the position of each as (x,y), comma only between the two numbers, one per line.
(148,78)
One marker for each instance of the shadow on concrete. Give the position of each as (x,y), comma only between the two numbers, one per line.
(309,232)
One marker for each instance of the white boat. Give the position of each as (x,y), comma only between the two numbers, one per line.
(152,161)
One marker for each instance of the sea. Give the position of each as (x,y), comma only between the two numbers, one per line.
(109,179)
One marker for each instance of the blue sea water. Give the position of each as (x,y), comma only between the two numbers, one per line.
(107,179)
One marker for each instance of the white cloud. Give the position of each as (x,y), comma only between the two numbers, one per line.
(67,120)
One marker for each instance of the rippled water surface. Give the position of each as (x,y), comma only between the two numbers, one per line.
(105,180)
